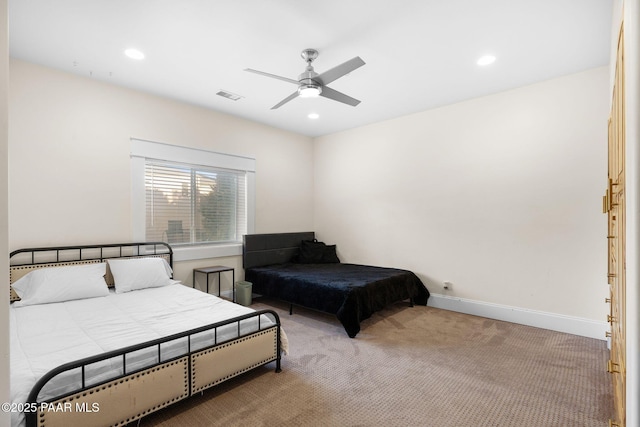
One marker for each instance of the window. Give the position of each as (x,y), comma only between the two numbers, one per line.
(199,201)
(188,204)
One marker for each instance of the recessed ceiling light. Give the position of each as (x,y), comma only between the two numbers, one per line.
(134,54)
(313,116)
(486,60)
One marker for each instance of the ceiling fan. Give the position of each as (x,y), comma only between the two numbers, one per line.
(311,84)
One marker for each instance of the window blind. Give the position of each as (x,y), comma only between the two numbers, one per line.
(191,204)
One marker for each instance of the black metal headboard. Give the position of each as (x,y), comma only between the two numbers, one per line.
(22,261)
(61,254)
(275,248)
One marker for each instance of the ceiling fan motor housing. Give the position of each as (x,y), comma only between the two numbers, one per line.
(308,86)
(309,55)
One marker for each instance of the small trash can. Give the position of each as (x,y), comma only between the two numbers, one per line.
(243,292)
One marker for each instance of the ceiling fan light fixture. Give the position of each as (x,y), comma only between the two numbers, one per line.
(309,91)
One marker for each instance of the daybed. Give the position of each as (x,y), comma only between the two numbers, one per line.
(352,292)
(84,355)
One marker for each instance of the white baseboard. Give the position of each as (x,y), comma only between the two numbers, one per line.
(539,319)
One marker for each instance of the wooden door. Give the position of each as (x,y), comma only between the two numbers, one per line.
(614,207)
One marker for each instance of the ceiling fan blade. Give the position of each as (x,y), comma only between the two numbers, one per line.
(284,101)
(262,73)
(327,92)
(339,71)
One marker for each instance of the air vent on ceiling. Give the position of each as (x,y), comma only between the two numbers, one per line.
(231,96)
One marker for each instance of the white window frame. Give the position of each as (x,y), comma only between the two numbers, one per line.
(142,149)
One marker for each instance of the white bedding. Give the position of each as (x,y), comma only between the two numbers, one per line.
(48,335)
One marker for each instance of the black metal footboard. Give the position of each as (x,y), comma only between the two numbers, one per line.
(133,391)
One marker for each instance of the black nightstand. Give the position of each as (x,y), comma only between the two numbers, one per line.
(216,269)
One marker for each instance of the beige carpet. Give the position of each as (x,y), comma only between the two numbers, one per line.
(417,366)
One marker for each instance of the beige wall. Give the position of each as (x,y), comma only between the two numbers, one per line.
(500,195)
(4,229)
(70,168)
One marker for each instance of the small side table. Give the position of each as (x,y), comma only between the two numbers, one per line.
(216,269)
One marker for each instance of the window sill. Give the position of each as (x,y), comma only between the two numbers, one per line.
(187,253)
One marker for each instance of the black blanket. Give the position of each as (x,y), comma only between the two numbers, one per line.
(352,292)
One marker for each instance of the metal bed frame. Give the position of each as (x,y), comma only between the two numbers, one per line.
(133,394)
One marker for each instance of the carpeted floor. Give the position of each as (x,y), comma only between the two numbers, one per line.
(417,366)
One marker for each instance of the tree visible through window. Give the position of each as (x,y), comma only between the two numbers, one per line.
(188,204)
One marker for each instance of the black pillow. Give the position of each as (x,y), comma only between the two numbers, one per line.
(330,256)
(314,252)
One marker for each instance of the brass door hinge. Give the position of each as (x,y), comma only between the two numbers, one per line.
(612,367)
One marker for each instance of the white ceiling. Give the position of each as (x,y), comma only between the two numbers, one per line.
(419,54)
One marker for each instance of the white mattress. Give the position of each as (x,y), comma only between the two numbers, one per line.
(49,335)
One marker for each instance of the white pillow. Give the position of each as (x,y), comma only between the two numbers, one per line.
(57,284)
(139,273)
